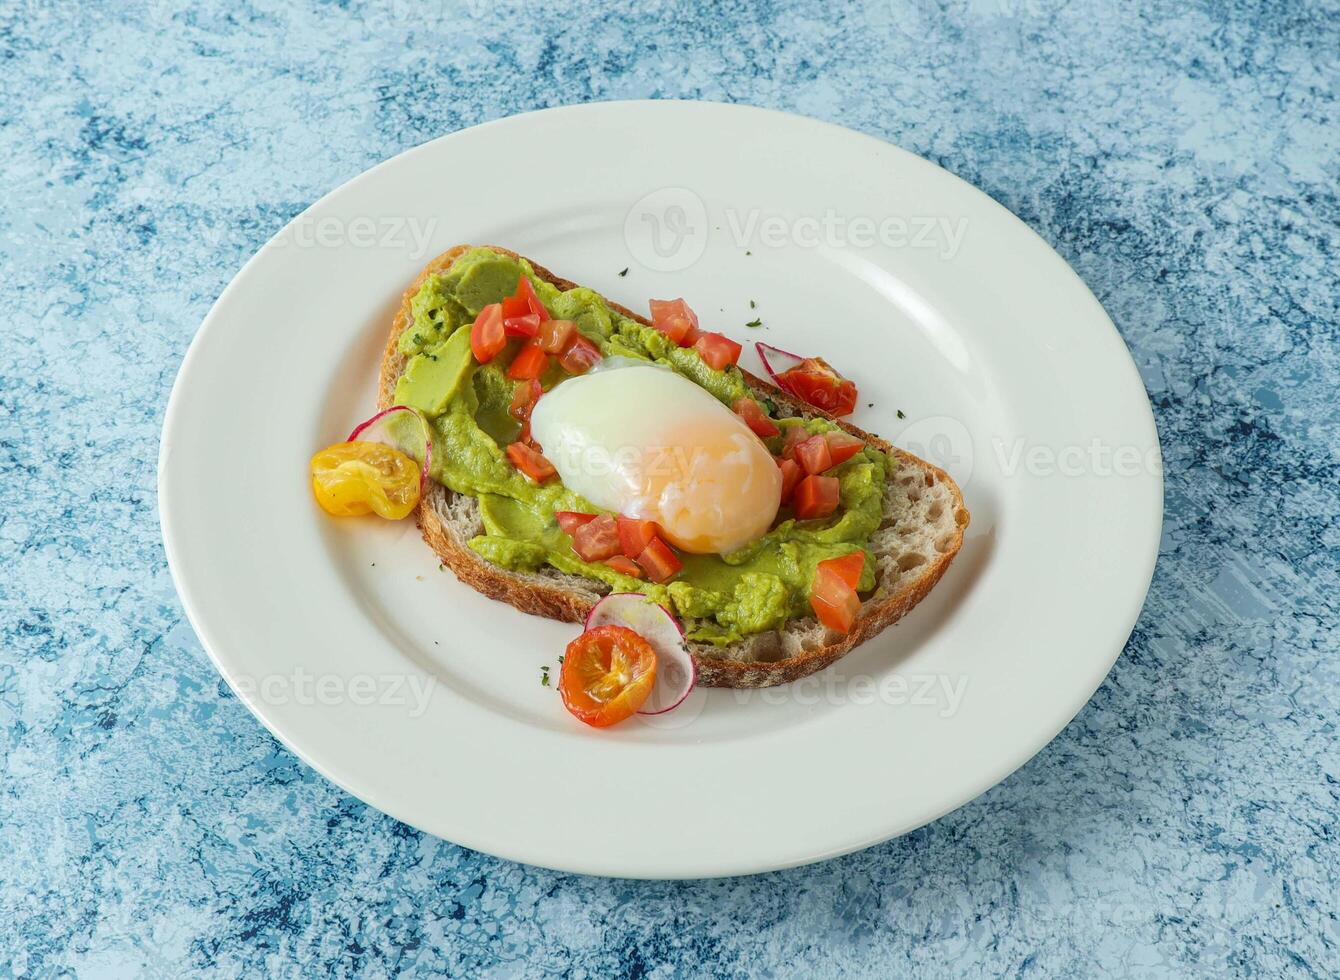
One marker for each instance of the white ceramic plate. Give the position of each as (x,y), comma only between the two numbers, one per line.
(425,699)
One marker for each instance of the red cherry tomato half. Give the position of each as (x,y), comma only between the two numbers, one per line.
(816,496)
(817,383)
(717,350)
(555,334)
(529,363)
(597,540)
(674,319)
(757,419)
(814,454)
(530,462)
(487,336)
(608,672)
(580,356)
(833,600)
(659,560)
(635,535)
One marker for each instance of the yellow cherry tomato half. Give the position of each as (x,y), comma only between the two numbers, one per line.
(353,478)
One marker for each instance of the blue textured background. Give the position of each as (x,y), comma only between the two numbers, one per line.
(1184,159)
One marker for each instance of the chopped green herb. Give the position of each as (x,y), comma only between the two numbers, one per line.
(754,323)
(747,252)
(752,304)
(770,405)
(900,414)
(441,567)
(624,273)
(544,676)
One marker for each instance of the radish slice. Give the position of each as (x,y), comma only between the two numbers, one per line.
(675,672)
(379,429)
(777,362)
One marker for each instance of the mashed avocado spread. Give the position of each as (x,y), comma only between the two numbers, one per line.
(720,597)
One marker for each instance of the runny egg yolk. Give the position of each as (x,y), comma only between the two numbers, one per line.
(645,442)
(715,489)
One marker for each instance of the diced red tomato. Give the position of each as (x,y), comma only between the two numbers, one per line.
(625,566)
(717,350)
(531,462)
(842,446)
(596,540)
(521,326)
(635,535)
(848,567)
(555,334)
(757,419)
(674,319)
(817,383)
(570,520)
(580,356)
(529,363)
(524,399)
(816,496)
(795,435)
(833,600)
(487,336)
(814,454)
(524,301)
(659,560)
(608,673)
(791,474)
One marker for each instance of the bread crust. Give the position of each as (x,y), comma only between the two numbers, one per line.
(534,595)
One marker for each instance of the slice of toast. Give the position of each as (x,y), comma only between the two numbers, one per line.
(922,530)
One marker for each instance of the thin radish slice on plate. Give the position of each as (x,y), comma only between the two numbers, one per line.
(777,362)
(675,672)
(391,427)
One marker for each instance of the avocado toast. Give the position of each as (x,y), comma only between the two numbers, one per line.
(906,514)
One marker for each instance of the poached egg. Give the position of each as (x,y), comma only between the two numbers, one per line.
(642,441)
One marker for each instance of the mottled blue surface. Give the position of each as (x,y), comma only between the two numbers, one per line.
(1184,159)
